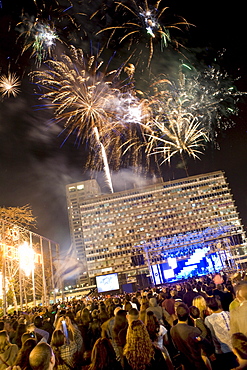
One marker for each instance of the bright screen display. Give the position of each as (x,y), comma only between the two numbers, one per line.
(105,283)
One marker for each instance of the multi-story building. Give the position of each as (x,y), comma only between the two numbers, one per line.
(133,231)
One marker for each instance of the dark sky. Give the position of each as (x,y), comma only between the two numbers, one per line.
(35,168)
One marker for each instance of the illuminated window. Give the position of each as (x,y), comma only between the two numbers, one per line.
(80,187)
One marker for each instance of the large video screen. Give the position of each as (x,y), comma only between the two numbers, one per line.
(106,283)
(199,263)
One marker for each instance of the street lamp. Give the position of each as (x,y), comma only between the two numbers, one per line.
(26,258)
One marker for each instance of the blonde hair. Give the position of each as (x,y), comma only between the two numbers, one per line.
(138,350)
(200,302)
(65,320)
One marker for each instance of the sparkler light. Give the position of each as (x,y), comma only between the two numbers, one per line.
(9,85)
(145,20)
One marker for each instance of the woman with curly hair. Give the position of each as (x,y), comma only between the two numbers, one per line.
(103,356)
(65,353)
(8,351)
(139,352)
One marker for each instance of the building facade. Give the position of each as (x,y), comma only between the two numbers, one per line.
(133,231)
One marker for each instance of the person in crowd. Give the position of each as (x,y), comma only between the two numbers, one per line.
(169,302)
(71,333)
(199,290)
(95,327)
(239,344)
(158,336)
(119,334)
(219,291)
(218,323)
(21,329)
(201,304)
(8,351)
(42,357)
(38,328)
(198,322)
(11,327)
(132,315)
(103,315)
(180,291)
(22,358)
(189,342)
(65,351)
(107,326)
(239,314)
(228,296)
(103,356)
(161,314)
(139,352)
(127,306)
(28,335)
(135,303)
(237,300)
(143,307)
(189,295)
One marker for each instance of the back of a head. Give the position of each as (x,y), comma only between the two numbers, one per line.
(188,287)
(27,335)
(40,357)
(120,320)
(57,339)
(38,321)
(182,312)
(153,302)
(194,312)
(213,304)
(102,354)
(242,288)
(152,325)
(133,314)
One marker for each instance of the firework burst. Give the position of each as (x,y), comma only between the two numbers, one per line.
(145,21)
(41,32)
(209,95)
(9,85)
(183,135)
(88,99)
(40,37)
(81,95)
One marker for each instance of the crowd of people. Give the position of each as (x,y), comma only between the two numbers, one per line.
(199,324)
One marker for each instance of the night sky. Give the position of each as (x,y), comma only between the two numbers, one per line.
(34,165)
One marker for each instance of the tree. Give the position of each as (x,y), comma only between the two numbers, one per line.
(19,216)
